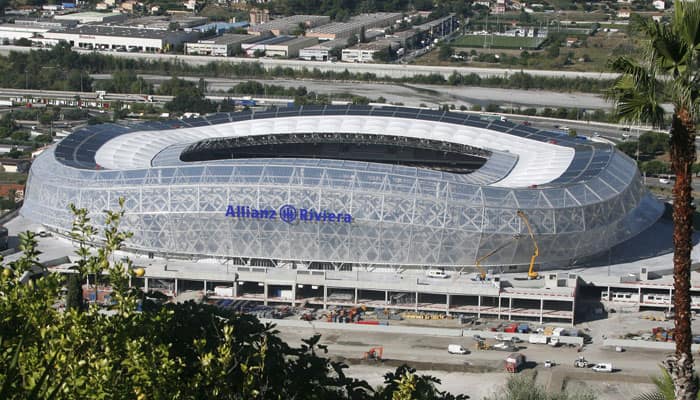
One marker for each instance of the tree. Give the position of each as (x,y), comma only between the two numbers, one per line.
(74,297)
(167,351)
(445,52)
(668,71)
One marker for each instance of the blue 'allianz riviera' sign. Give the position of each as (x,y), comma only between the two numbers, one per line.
(288,213)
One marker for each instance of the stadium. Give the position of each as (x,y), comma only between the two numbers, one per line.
(346,187)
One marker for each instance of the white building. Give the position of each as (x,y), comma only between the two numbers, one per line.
(12,32)
(289,48)
(92,17)
(122,39)
(659,4)
(225,45)
(364,52)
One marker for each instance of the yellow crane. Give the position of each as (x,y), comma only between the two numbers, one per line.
(482,272)
(531,273)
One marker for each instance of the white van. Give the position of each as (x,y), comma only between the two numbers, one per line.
(603,367)
(436,273)
(456,349)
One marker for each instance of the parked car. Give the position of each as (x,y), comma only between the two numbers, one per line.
(437,273)
(603,367)
(548,364)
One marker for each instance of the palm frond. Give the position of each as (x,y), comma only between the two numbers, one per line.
(635,93)
(651,396)
(664,384)
(686,18)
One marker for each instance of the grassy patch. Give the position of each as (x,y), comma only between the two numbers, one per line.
(498,42)
(13,177)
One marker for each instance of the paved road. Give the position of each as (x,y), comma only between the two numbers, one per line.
(392,70)
(413,95)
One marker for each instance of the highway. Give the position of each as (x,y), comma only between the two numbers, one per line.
(391,70)
(412,95)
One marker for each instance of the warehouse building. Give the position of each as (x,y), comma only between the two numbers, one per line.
(122,39)
(345,30)
(226,45)
(92,17)
(288,25)
(289,48)
(322,51)
(365,52)
(12,32)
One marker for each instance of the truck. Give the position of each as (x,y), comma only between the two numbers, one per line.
(538,339)
(515,362)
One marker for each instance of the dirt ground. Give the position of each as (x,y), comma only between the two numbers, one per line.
(609,390)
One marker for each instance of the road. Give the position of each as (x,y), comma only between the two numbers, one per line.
(413,95)
(391,70)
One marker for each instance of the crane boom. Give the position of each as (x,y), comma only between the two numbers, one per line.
(531,273)
(482,272)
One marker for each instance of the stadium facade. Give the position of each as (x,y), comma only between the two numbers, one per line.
(346,187)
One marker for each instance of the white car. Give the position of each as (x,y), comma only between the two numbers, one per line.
(603,367)
(664,181)
(548,364)
(437,273)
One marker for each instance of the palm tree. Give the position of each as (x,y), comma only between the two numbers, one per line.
(668,71)
(665,389)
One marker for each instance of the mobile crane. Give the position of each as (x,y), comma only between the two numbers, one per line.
(531,273)
(482,272)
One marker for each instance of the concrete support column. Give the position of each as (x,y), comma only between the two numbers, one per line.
(386,297)
(416,303)
(325,297)
(573,312)
(541,310)
(510,308)
(447,304)
(478,306)
(265,294)
(639,298)
(670,299)
(145,284)
(175,292)
(356,298)
(205,286)
(499,306)
(294,294)
(235,288)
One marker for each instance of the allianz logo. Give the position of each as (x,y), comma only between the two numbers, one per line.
(288,213)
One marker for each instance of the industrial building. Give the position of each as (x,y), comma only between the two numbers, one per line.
(288,25)
(345,30)
(91,17)
(349,188)
(225,45)
(12,32)
(364,52)
(440,27)
(289,48)
(121,39)
(260,46)
(221,27)
(46,23)
(162,22)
